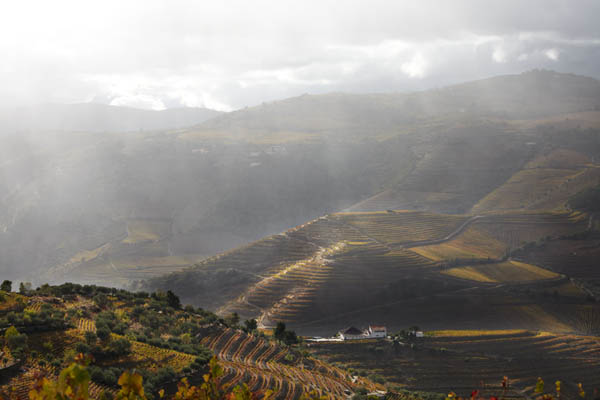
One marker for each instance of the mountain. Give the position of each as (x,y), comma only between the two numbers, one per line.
(533,94)
(112,208)
(463,212)
(91,117)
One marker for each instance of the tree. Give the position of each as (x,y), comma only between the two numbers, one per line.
(119,346)
(103,333)
(290,338)
(250,325)
(90,337)
(100,300)
(173,300)
(6,286)
(279,332)
(16,342)
(24,287)
(232,319)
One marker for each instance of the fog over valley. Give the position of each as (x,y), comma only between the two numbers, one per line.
(278,200)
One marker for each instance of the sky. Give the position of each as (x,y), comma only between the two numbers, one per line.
(227,55)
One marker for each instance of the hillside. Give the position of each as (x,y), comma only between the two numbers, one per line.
(532,94)
(392,267)
(155,335)
(111,208)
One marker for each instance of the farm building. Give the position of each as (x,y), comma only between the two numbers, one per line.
(352,333)
(377,331)
(373,332)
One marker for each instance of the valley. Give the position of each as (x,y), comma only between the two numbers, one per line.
(468,215)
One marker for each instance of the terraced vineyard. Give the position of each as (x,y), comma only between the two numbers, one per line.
(576,256)
(473,243)
(517,229)
(22,384)
(263,365)
(401,227)
(508,271)
(356,265)
(545,183)
(461,361)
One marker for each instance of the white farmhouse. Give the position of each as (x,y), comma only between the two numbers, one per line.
(377,331)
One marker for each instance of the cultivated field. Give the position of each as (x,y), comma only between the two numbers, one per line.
(461,361)
(508,271)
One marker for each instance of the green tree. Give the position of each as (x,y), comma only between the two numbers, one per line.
(100,300)
(90,337)
(6,286)
(250,325)
(16,342)
(279,332)
(173,300)
(24,287)
(119,346)
(232,319)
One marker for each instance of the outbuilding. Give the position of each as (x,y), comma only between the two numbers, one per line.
(351,333)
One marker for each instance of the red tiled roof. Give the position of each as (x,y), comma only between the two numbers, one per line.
(377,327)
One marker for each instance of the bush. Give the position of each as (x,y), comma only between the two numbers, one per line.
(103,333)
(119,346)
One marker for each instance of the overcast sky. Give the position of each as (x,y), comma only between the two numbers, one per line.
(230,54)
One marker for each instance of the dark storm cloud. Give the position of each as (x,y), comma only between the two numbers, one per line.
(225,55)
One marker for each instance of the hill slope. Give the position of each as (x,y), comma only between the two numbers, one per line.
(160,340)
(113,208)
(359,268)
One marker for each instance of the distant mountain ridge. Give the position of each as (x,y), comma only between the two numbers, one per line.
(91,117)
(532,94)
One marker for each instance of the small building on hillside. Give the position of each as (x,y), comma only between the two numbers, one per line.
(352,333)
(377,331)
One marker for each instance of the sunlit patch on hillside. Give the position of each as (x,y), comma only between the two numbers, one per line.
(508,271)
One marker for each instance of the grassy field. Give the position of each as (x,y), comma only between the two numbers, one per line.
(473,243)
(508,271)
(399,227)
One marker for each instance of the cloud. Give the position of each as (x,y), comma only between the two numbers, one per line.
(552,54)
(499,55)
(138,101)
(415,67)
(227,55)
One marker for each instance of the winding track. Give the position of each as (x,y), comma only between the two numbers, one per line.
(408,245)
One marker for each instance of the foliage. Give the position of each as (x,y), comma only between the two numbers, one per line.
(101,300)
(25,287)
(281,334)
(232,319)
(6,286)
(16,342)
(73,383)
(173,301)
(250,325)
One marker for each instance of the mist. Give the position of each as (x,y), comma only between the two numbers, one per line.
(140,139)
